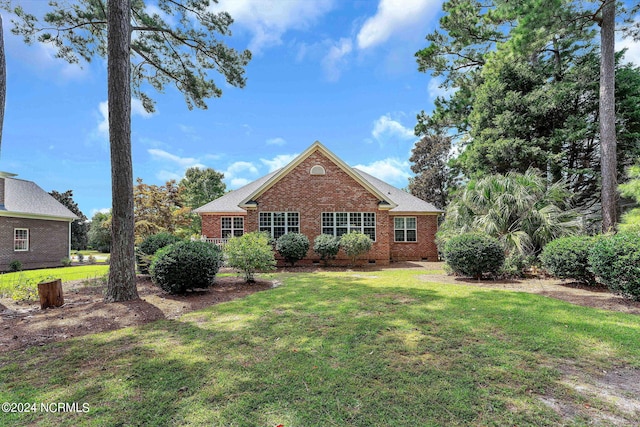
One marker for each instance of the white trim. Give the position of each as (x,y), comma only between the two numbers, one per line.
(16,240)
(35,216)
(404,229)
(316,146)
(348,226)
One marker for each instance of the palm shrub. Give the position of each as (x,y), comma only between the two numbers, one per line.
(615,260)
(185,265)
(568,258)
(523,211)
(250,253)
(355,244)
(148,248)
(327,246)
(473,254)
(292,247)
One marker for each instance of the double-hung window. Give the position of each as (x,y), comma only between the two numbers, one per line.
(232,226)
(339,223)
(405,229)
(279,223)
(20,239)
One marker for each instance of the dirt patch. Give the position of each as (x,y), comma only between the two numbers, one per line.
(84,312)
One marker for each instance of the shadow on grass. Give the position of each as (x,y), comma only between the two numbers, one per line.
(327,350)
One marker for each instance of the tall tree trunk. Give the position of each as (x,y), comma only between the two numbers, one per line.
(122,274)
(608,117)
(3,80)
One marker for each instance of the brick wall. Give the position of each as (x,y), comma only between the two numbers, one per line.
(425,248)
(336,191)
(48,242)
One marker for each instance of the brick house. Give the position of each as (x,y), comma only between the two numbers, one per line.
(317,193)
(35,228)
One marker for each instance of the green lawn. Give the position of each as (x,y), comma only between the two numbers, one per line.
(9,281)
(379,348)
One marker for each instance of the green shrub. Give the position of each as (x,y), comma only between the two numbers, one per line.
(615,260)
(250,253)
(568,258)
(148,248)
(327,246)
(91,259)
(80,257)
(25,290)
(185,265)
(292,247)
(473,254)
(15,265)
(66,262)
(355,244)
(515,265)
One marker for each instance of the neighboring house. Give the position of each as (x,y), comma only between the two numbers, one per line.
(35,228)
(317,193)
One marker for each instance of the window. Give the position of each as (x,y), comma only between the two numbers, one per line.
(20,239)
(232,226)
(339,223)
(405,229)
(279,223)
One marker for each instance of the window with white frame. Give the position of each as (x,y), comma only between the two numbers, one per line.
(20,239)
(232,226)
(405,229)
(279,223)
(339,223)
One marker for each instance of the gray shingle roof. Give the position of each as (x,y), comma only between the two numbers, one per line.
(230,201)
(405,201)
(26,198)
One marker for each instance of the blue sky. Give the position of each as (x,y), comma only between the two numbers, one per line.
(341,72)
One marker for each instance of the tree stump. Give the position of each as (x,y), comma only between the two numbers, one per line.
(50,294)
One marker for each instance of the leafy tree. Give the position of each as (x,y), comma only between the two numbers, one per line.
(200,186)
(250,253)
(179,50)
(542,33)
(79,227)
(100,232)
(158,208)
(522,211)
(631,189)
(355,244)
(429,159)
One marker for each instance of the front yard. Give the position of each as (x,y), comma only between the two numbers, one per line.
(361,348)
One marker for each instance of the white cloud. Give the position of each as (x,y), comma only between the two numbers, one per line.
(279,161)
(184,162)
(233,174)
(391,170)
(276,141)
(386,128)
(95,211)
(335,59)
(395,17)
(435,89)
(268,20)
(136,110)
(633,49)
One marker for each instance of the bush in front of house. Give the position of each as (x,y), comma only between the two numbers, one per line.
(15,265)
(327,246)
(250,253)
(615,260)
(473,254)
(185,265)
(515,265)
(568,258)
(355,244)
(148,248)
(292,247)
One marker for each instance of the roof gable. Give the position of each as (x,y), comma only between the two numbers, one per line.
(315,147)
